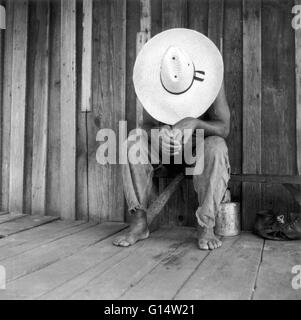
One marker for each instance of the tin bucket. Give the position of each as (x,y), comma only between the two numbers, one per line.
(227,222)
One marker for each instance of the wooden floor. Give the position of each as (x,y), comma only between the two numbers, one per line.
(47,258)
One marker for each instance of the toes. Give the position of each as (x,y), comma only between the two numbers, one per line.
(211,245)
(217,244)
(124,243)
(116,241)
(203,245)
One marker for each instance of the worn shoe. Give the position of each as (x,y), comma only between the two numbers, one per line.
(278,227)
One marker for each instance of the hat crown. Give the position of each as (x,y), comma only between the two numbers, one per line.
(177,70)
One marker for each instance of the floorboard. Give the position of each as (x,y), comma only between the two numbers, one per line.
(23,223)
(76,260)
(10,217)
(74,272)
(113,283)
(49,253)
(228,273)
(33,238)
(168,276)
(275,275)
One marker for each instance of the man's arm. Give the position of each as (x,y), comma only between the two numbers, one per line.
(219,117)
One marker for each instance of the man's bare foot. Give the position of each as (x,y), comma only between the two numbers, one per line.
(207,239)
(138,231)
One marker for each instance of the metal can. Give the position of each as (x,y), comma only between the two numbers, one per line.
(227,222)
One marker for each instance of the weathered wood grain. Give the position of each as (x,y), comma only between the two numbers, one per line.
(233,78)
(275,275)
(11,217)
(198,15)
(28,239)
(33,28)
(266,178)
(3,22)
(278,92)
(68,110)
(40,113)
(298,93)
(278,134)
(156,17)
(145,17)
(227,273)
(294,191)
(86,84)
(53,194)
(216,22)
(252,86)
(174,14)
(115,281)
(171,273)
(132,27)
(87,266)
(82,267)
(22,224)
(233,44)
(82,207)
(6,105)
(106,200)
(51,252)
(74,260)
(142,38)
(252,74)
(18,106)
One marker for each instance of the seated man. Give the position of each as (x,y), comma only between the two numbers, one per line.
(210,185)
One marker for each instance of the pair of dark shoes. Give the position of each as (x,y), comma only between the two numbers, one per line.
(278,227)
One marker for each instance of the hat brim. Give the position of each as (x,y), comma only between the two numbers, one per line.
(167,107)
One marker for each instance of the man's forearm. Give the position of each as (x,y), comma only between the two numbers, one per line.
(213,128)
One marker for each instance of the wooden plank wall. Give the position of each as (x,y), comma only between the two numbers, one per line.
(105,195)
(18,106)
(51,115)
(68,109)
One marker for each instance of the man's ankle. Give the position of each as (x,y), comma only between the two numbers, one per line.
(139,214)
(205,229)
(139,218)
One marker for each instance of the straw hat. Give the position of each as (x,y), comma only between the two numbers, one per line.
(178,74)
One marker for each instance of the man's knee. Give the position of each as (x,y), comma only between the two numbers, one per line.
(215,147)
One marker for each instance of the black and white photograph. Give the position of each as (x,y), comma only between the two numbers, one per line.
(150,150)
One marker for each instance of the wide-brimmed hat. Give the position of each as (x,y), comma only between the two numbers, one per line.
(178,74)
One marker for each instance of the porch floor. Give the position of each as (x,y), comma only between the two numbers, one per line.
(46,258)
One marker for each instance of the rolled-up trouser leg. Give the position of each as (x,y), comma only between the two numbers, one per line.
(138,173)
(211,185)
